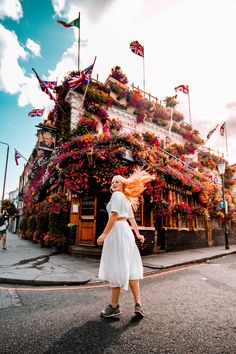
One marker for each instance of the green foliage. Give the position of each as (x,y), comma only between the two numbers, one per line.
(42,222)
(23,224)
(9,207)
(32,223)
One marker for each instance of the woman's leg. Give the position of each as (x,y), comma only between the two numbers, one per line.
(115,295)
(134,285)
(4,240)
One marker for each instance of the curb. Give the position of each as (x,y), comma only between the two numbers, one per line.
(34,282)
(194,261)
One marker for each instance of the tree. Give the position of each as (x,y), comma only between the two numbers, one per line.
(9,207)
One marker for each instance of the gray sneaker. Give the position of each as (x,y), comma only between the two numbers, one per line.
(139,311)
(110,311)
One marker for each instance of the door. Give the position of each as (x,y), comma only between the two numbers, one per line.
(87,221)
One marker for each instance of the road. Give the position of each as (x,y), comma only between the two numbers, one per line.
(188,310)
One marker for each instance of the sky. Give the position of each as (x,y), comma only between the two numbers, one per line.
(189,42)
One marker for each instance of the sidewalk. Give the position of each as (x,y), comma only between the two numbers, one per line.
(27,263)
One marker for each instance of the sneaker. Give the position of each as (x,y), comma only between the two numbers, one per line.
(110,311)
(4,249)
(139,311)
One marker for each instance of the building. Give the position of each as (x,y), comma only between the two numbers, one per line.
(111,131)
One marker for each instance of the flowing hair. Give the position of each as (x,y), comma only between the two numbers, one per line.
(134,185)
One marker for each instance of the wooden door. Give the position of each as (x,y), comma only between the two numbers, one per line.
(87,222)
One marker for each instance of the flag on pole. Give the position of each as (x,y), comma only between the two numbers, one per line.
(36,113)
(45,85)
(137,48)
(17,156)
(211,132)
(182,88)
(74,23)
(48,84)
(222,129)
(80,77)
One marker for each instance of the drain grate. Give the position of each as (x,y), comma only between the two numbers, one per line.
(9,298)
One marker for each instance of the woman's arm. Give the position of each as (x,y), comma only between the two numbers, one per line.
(109,225)
(135,228)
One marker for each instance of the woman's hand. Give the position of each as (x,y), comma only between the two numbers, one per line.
(141,238)
(101,239)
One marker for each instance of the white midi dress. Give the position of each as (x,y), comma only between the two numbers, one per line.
(120,259)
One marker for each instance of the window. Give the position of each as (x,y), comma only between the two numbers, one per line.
(87,208)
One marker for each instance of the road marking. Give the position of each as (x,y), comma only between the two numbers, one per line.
(103,285)
(9,298)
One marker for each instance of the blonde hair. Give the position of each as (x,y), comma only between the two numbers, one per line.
(134,185)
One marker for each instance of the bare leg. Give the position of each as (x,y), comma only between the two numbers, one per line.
(115,297)
(4,240)
(134,285)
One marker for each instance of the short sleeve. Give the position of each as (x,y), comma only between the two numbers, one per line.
(116,202)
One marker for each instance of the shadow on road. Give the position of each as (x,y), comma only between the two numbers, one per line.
(92,337)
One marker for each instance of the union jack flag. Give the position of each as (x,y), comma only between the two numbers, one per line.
(36,113)
(137,48)
(222,129)
(17,156)
(48,84)
(79,78)
(182,88)
(211,132)
(44,87)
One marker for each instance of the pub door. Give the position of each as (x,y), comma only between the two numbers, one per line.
(87,221)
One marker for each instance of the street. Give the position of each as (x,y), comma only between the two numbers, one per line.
(188,310)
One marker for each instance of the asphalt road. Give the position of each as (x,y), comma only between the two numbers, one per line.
(188,310)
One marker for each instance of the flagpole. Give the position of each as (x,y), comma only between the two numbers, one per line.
(79,42)
(226,142)
(171,120)
(189,110)
(86,89)
(143,72)
(54,99)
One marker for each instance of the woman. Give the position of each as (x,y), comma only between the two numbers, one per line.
(121,264)
(3,230)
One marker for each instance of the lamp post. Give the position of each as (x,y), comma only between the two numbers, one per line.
(221,169)
(5,174)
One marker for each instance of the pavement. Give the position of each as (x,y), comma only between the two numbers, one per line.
(27,263)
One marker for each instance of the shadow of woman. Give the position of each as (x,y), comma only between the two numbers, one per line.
(93,337)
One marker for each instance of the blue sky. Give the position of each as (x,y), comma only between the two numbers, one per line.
(186,42)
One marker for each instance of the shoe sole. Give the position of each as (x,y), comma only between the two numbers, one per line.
(113,315)
(139,314)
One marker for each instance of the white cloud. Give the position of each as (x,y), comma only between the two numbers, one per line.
(11,74)
(11,8)
(12,77)
(33,47)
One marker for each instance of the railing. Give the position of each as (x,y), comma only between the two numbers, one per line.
(147,95)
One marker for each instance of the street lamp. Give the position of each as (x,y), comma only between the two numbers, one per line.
(221,169)
(5,174)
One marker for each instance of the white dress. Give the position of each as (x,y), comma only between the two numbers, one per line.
(120,259)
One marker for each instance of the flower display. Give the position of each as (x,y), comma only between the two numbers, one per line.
(85,161)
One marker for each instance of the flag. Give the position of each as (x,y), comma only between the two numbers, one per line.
(182,88)
(17,156)
(211,132)
(75,23)
(48,84)
(44,86)
(222,129)
(36,113)
(137,48)
(79,78)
